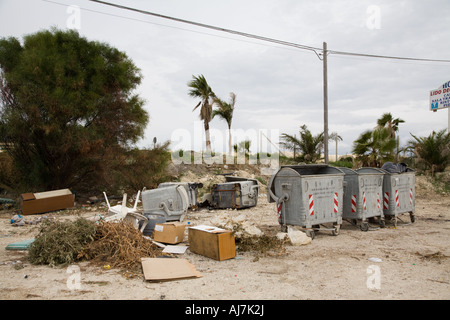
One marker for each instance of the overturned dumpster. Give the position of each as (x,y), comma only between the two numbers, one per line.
(308,196)
(363,189)
(399,190)
(235,193)
(191,189)
(163,204)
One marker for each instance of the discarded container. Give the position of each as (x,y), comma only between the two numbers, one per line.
(152,221)
(212,242)
(399,191)
(21,245)
(41,202)
(363,190)
(308,196)
(191,189)
(235,193)
(171,202)
(169,232)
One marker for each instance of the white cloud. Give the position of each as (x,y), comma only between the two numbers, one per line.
(276,87)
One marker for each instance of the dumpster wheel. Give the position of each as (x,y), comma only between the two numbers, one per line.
(336,230)
(310,233)
(364,226)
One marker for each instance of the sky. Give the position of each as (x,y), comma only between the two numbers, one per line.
(278,88)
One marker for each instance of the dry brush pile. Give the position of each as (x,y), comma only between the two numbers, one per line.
(118,244)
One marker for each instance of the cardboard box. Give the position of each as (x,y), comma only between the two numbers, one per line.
(212,242)
(169,232)
(160,269)
(42,202)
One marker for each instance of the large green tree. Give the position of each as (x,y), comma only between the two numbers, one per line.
(67,107)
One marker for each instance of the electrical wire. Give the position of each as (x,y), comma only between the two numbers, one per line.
(248,35)
(318,51)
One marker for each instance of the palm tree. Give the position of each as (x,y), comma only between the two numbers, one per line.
(308,144)
(334,136)
(199,88)
(225,111)
(433,152)
(374,147)
(387,121)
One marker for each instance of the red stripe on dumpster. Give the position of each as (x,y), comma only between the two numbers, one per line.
(386,200)
(311,205)
(410,196)
(364,201)
(354,203)
(336,203)
(378,201)
(397,202)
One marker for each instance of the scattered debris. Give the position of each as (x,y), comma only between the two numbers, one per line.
(18,220)
(47,201)
(120,245)
(169,232)
(436,256)
(212,242)
(21,245)
(160,269)
(297,237)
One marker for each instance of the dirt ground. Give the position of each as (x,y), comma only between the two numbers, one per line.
(411,263)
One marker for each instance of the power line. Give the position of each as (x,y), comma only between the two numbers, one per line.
(169,26)
(384,57)
(316,50)
(244,34)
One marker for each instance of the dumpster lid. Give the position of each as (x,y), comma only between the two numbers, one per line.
(370,170)
(314,169)
(347,171)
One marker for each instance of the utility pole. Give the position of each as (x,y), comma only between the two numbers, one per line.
(325,103)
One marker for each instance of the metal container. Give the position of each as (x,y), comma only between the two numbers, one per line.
(235,193)
(399,191)
(191,189)
(171,202)
(363,190)
(153,219)
(308,196)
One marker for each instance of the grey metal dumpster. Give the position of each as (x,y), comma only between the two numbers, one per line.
(399,192)
(191,189)
(308,196)
(171,202)
(363,190)
(235,193)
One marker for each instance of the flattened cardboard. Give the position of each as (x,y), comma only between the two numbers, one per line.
(41,202)
(169,232)
(212,242)
(175,249)
(165,269)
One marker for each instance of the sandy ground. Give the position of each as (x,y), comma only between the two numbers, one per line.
(412,263)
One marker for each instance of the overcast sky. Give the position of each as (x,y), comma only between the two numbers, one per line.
(277,87)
